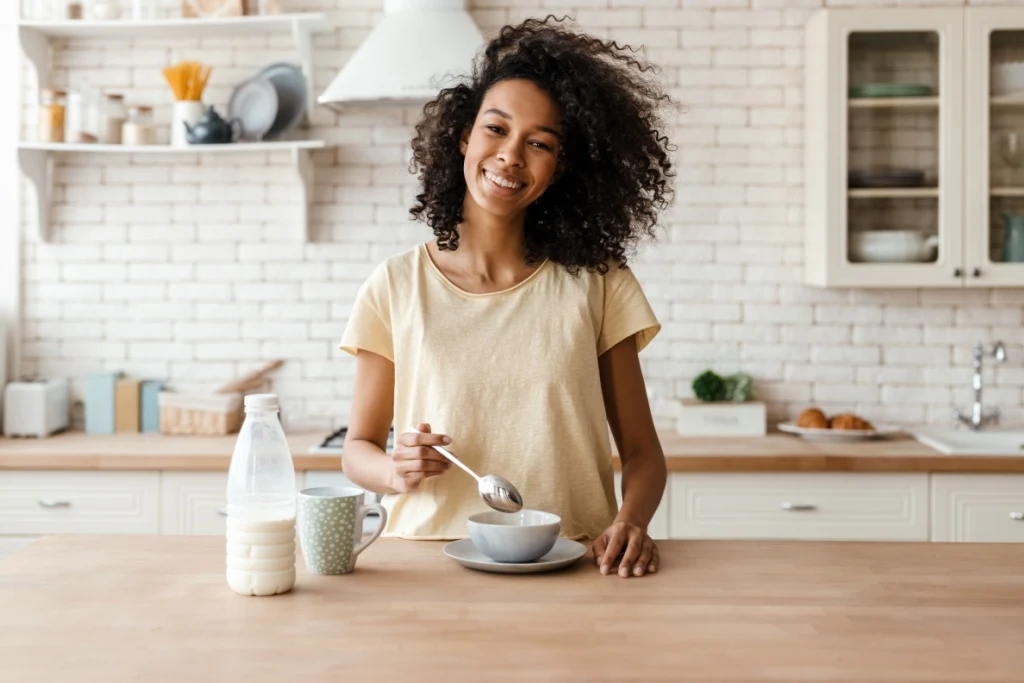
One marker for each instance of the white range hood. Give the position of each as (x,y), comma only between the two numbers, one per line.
(410,55)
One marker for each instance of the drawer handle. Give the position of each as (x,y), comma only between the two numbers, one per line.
(223,511)
(1019,516)
(799,507)
(50,503)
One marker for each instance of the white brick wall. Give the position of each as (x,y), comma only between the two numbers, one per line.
(187,270)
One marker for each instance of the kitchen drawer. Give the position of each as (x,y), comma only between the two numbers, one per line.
(193,503)
(658,528)
(986,508)
(799,505)
(73,502)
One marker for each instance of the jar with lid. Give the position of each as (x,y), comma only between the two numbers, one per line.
(138,127)
(113,118)
(50,126)
(106,9)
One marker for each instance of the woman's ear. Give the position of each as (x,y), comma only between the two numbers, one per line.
(464,139)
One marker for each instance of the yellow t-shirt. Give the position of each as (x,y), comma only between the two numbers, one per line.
(512,377)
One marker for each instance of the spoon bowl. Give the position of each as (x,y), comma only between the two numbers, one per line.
(496,491)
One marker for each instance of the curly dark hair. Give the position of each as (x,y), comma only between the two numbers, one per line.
(618,172)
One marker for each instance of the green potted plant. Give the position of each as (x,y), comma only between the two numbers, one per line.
(722,406)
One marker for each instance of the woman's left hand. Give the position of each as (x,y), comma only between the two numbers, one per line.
(639,553)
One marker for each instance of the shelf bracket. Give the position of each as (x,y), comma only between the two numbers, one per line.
(303,160)
(37,48)
(37,165)
(302,34)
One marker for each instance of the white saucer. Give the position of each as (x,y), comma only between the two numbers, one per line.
(564,553)
(819,434)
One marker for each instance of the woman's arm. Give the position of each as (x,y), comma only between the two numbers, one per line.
(643,463)
(364,456)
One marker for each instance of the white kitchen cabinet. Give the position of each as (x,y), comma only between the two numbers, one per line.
(194,503)
(934,218)
(986,508)
(658,528)
(72,502)
(995,37)
(798,505)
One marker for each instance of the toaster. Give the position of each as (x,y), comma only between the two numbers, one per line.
(36,407)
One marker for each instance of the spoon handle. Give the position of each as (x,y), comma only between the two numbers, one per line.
(445,453)
(455,460)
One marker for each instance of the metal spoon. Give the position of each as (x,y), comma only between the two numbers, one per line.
(498,492)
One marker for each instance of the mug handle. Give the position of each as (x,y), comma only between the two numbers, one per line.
(241,128)
(360,516)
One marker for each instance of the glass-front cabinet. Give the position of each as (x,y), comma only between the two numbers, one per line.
(995,146)
(899,145)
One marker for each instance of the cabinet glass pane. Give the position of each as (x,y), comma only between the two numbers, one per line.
(893,147)
(1006,148)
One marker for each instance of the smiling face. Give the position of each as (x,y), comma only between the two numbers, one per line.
(511,152)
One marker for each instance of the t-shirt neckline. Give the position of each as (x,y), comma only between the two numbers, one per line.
(425,254)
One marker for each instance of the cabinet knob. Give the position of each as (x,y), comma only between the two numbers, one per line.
(958,272)
(976,272)
(223,512)
(798,507)
(50,503)
(1019,516)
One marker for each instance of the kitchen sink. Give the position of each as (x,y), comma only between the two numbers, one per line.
(965,442)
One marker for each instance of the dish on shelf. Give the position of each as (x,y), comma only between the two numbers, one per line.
(890,90)
(825,434)
(1007,78)
(292,96)
(892,246)
(886,177)
(254,103)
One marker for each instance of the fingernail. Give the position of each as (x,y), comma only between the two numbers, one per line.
(446,439)
(604,569)
(638,570)
(624,571)
(652,569)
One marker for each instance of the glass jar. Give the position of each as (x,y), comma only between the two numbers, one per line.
(113,118)
(138,127)
(106,9)
(50,127)
(144,10)
(82,122)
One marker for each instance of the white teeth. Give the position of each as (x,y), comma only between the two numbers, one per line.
(502,182)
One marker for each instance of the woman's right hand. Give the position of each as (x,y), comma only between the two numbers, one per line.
(413,459)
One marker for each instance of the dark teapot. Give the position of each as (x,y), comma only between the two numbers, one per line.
(211,129)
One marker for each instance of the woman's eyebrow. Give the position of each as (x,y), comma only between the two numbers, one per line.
(504,115)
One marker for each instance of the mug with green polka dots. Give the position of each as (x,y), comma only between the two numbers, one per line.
(330,525)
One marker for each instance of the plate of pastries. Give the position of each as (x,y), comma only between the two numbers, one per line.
(815,424)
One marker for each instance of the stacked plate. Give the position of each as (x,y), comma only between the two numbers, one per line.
(271,103)
(891,90)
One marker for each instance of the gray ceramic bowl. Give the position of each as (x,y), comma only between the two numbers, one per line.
(522,536)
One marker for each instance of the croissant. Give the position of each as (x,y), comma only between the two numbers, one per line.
(849,421)
(812,418)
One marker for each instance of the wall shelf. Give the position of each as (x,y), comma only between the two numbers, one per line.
(1007,100)
(37,163)
(1008,191)
(35,36)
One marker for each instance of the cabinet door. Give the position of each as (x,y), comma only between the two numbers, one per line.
(884,148)
(658,528)
(986,508)
(827,506)
(193,503)
(995,146)
(79,502)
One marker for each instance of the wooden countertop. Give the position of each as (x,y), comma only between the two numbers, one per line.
(772,453)
(157,608)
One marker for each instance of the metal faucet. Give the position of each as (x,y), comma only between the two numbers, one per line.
(980,417)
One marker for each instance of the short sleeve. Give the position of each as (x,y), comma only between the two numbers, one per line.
(627,312)
(369,323)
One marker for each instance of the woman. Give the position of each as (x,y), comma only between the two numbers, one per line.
(514,334)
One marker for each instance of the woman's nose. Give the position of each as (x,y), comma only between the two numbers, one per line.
(510,153)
